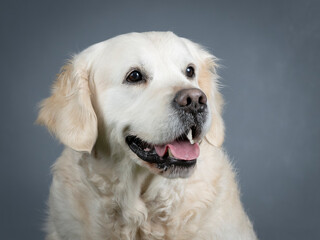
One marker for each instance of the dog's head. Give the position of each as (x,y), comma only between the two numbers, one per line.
(151,96)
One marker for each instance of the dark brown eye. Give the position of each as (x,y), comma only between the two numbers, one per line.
(190,72)
(135,76)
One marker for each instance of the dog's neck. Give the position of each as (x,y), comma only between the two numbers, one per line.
(136,192)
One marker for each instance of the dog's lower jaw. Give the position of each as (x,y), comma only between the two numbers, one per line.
(172,172)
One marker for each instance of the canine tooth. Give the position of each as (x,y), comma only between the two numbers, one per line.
(189,136)
(169,152)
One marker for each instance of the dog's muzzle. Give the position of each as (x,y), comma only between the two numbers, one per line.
(190,106)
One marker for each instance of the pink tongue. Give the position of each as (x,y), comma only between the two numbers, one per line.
(180,150)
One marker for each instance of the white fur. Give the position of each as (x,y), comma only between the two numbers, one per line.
(102,190)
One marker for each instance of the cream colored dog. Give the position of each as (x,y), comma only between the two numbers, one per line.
(140,115)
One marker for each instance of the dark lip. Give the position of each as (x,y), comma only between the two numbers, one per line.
(137,146)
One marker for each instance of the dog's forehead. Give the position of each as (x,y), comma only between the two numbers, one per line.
(164,45)
(167,42)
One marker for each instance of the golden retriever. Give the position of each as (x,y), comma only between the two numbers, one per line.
(140,118)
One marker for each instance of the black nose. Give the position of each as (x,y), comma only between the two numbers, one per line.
(191,100)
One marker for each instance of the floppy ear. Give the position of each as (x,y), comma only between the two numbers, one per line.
(208,82)
(68,112)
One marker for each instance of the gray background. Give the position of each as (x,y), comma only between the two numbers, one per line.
(270,51)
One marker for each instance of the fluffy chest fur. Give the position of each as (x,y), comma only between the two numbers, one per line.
(135,204)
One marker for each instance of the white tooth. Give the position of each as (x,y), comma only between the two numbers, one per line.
(189,136)
(169,152)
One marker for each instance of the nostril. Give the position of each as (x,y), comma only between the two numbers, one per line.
(203,99)
(189,101)
(200,99)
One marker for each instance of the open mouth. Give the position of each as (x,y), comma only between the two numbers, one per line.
(181,152)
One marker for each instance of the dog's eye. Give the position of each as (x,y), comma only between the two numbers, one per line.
(134,76)
(190,72)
